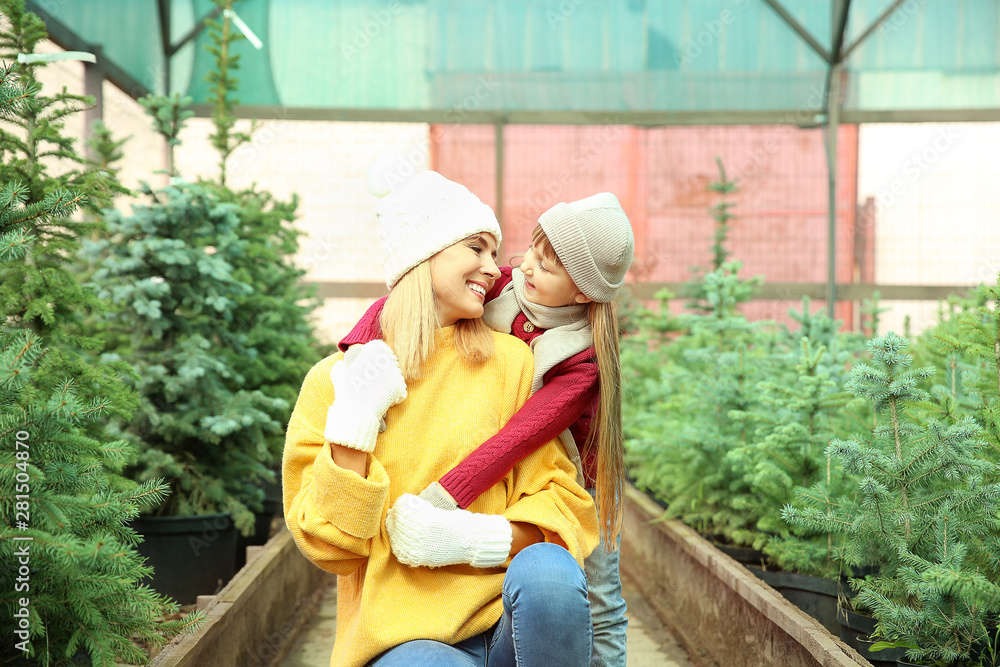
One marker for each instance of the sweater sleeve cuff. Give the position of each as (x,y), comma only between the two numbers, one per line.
(353,503)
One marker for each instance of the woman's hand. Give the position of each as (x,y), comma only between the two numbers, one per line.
(366,383)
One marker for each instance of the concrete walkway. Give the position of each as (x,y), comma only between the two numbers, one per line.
(650,644)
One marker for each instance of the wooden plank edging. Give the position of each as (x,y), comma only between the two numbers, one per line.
(721,612)
(254,620)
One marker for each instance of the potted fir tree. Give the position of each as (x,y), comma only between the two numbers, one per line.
(800,408)
(923,511)
(212,311)
(65,533)
(167,269)
(686,374)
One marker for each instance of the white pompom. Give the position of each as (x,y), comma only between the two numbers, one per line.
(387,171)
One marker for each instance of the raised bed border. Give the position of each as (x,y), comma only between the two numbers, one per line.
(720,612)
(254,620)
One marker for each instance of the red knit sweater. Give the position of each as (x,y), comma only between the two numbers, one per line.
(567,399)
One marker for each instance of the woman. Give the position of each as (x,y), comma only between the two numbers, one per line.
(419,585)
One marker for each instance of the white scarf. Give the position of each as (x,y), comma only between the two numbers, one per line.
(567,332)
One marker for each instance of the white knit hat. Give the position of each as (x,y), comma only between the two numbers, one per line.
(425,214)
(593,240)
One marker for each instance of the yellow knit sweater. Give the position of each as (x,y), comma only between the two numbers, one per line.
(338,518)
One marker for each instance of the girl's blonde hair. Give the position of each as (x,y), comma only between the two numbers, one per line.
(606,427)
(410,320)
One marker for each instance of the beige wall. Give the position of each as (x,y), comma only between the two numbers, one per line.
(326,163)
(937,191)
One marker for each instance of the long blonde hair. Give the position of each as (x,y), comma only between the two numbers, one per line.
(606,427)
(410,320)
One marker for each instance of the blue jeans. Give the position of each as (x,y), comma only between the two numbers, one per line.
(607,607)
(545,622)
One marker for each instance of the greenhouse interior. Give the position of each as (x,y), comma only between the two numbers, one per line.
(754,259)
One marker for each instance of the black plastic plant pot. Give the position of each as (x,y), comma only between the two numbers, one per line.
(261,532)
(813,595)
(190,555)
(272,493)
(742,555)
(769,577)
(888,657)
(853,626)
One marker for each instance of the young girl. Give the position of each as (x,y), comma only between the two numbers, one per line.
(560,302)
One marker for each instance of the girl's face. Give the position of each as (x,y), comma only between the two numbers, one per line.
(462,274)
(547,283)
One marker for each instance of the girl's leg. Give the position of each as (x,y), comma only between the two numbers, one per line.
(546,616)
(607,607)
(429,653)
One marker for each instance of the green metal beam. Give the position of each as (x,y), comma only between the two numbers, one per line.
(800,117)
(869,30)
(791,292)
(66,39)
(799,29)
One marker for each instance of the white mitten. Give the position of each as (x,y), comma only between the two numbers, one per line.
(367,382)
(438,496)
(424,535)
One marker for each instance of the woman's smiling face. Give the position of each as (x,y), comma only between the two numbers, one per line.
(462,274)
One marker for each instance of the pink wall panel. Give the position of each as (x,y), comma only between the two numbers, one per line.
(660,175)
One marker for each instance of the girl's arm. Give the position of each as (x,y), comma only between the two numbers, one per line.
(369,328)
(569,389)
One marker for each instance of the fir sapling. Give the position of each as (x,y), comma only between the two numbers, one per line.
(921,504)
(65,545)
(169,271)
(72,511)
(800,408)
(680,452)
(972,347)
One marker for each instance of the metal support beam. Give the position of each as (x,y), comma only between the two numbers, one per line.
(637,118)
(164,11)
(833,85)
(499,159)
(70,41)
(192,33)
(93,85)
(833,120)
(799,29)
(870,29)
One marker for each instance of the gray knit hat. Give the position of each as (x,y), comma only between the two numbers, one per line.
(593,240)
(425,214)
